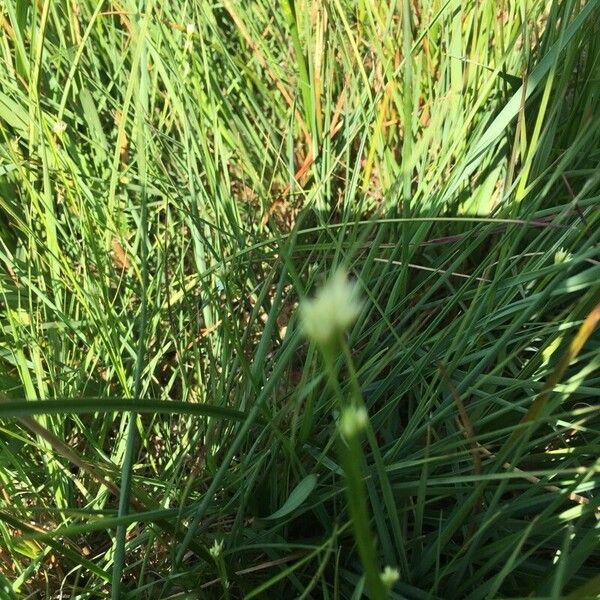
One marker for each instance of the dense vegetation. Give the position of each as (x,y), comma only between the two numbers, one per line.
(176,177)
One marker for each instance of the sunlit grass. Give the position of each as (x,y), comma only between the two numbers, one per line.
(177,178)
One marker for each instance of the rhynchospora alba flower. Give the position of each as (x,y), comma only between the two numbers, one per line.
(335,307)
(190,29)
(389,577)
(353,421)
(562,256)
(59,127)
(216,549)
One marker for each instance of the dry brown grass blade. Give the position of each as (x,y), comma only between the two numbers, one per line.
(265,65)
(465,422)
(260,567)
(432,270)
(477,449)
(586,329)
(578,498)
(69,454)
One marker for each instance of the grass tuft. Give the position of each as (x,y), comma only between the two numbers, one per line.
(178,178)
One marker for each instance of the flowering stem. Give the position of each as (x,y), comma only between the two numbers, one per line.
(324,320)
(353,419)
(352,459)
(386,488)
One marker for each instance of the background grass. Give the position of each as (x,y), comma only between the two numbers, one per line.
(176,176)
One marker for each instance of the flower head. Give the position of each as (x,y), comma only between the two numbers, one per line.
(216,549)
(335,307)
(353,421)
(389,577)
(59,127)
(561,256)
(190,28)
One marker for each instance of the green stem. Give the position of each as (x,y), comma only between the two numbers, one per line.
(352,459)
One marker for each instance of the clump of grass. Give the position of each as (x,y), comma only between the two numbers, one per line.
(176,178)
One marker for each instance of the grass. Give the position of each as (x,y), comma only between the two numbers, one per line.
(176,177)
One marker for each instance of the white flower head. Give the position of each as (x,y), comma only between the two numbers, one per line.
(59,127)
(353,421)
(190,28)
(562,256)
(21,317)
(389,577)
(216,549)
(335,307)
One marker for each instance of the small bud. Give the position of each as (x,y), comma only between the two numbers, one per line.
(353,421)
(216,549)
(562,256)
(389,577)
